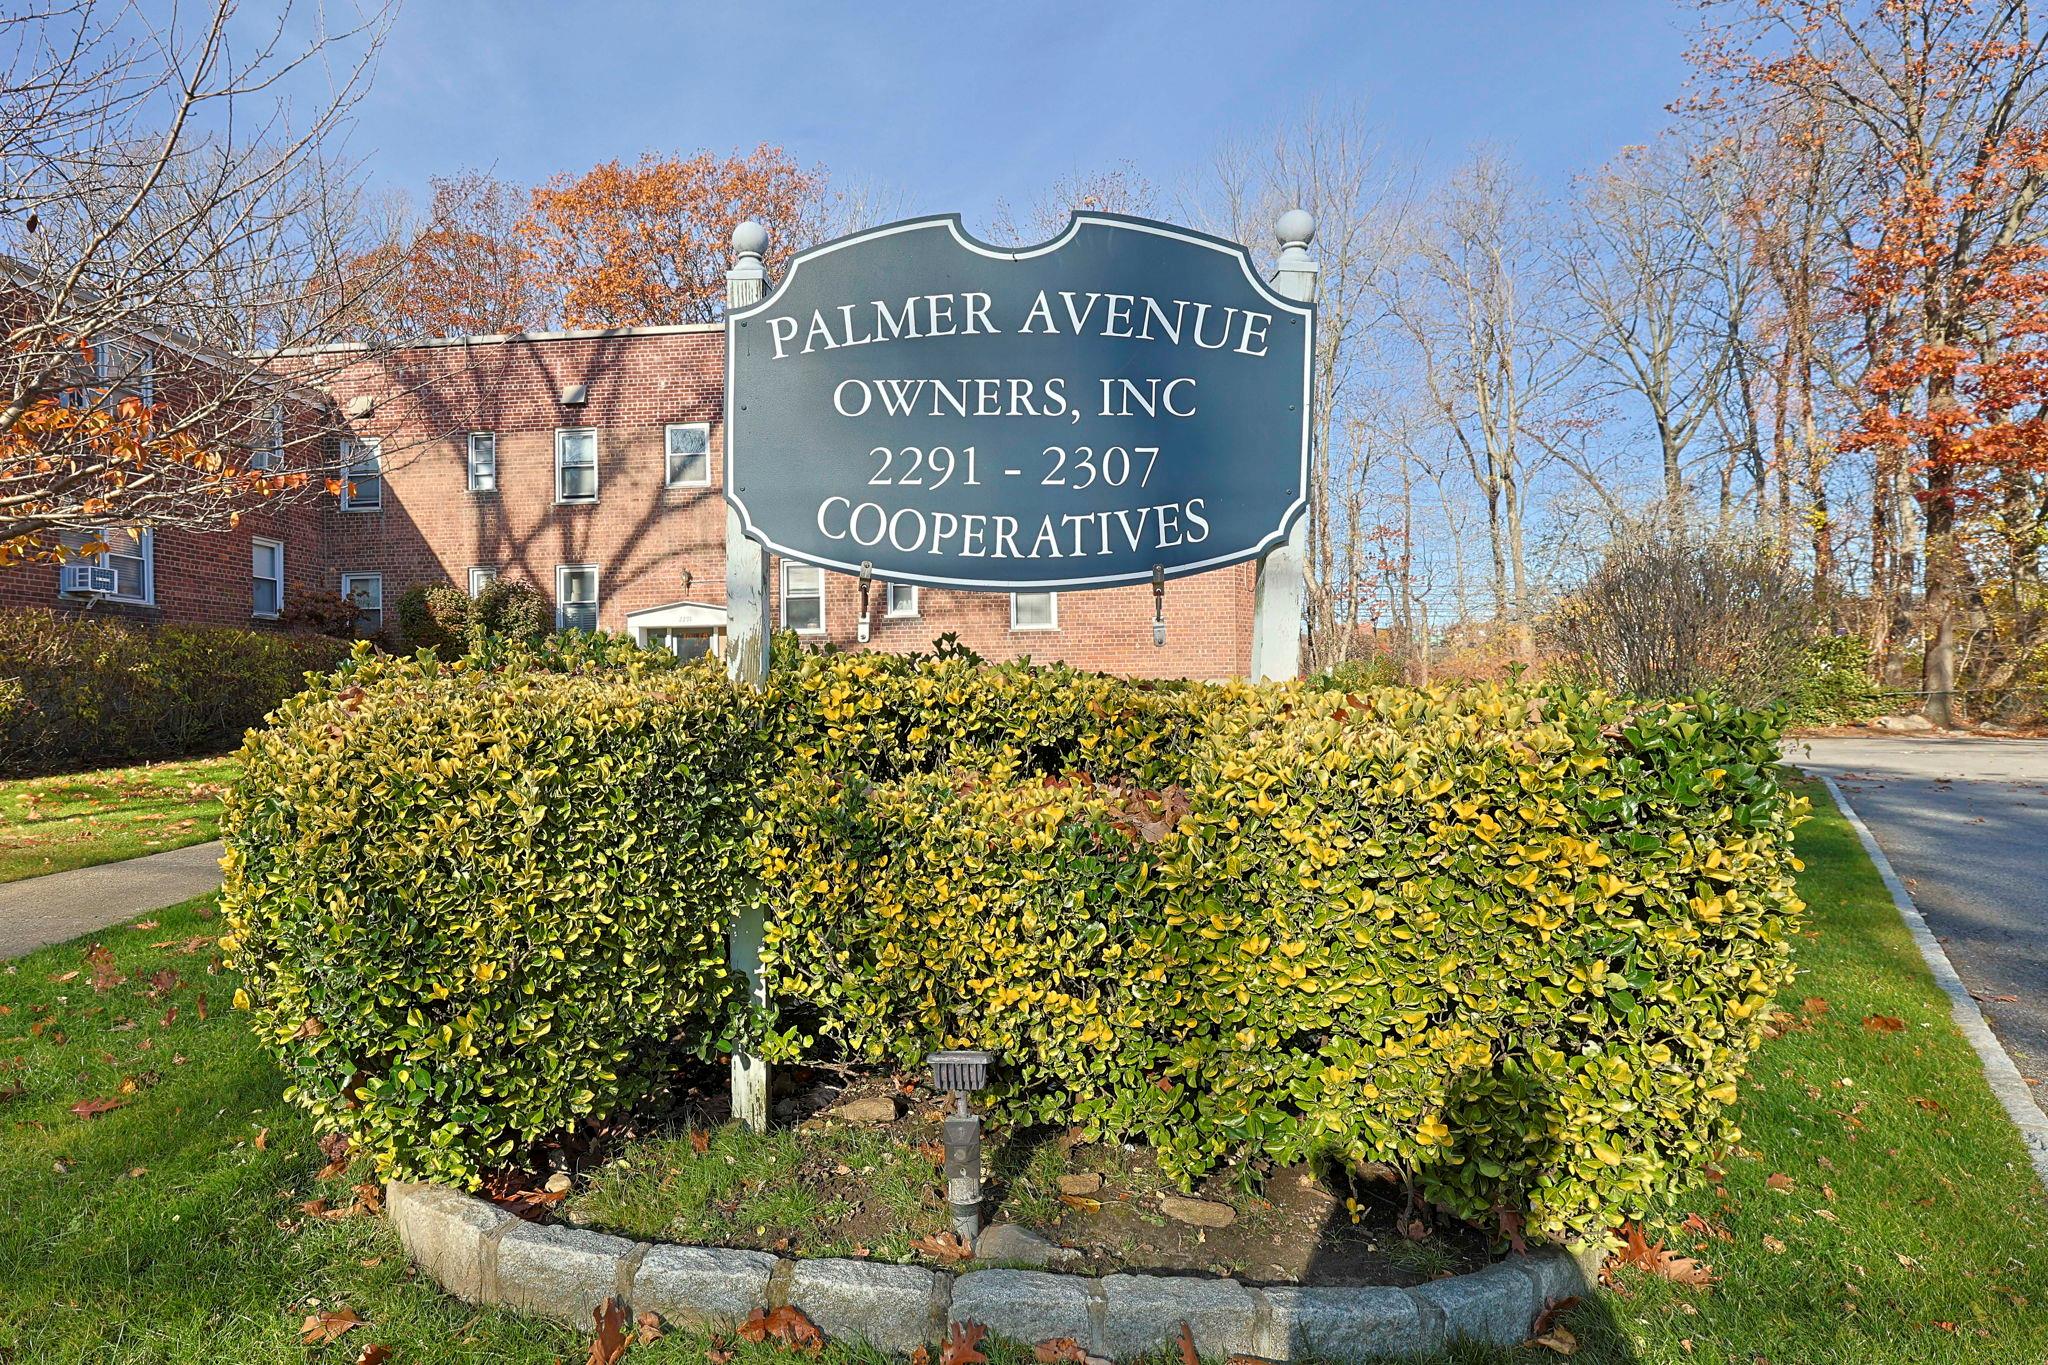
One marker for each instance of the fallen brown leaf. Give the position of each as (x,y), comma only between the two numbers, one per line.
(1058,1350)
(92,1109)
(963,1345)
(647,1327)
(1883,1023)
(700,1141)
(1638,1251)
(263,1139)
(721,1352)
(374,1354)
(611,1344)
(1083,1202)
(1779,1182)
(787,1325)
(1186,1341)
(319,1329)
(1773,1245)
(943,1246)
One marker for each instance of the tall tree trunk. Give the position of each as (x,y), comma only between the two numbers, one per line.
(1938,609)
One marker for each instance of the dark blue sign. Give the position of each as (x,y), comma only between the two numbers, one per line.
(1130,395)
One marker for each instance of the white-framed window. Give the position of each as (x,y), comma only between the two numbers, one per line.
(1034,611)
(576,464)
(481,576)
(362,475)
(689,455)
(483,462)
(267,449)
(130,553)
(803,598)
(900,600)
(576,597)
(125,370)
(366,590)
(266,568)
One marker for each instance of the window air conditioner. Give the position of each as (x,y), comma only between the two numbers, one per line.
(87,580)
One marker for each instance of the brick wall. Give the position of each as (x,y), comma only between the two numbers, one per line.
(654,545)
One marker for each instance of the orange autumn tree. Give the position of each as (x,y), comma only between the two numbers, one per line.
(467,271)
(72,466)
(649,243)
(1934,109)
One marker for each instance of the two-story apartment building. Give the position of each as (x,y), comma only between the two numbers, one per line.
(588,465)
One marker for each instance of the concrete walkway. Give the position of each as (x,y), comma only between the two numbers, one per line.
(50,909)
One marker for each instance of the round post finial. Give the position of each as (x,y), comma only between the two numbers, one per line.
(1295,229)
(749,239)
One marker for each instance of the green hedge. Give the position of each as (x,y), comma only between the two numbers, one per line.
(75,692)
(1517,941)
(476,905)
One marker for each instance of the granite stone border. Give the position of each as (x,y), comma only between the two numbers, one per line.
(482,1254)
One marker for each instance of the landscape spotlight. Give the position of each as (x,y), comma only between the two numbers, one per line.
(962,1072)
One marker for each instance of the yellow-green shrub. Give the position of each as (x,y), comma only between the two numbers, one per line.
(1518,943)
(475,906)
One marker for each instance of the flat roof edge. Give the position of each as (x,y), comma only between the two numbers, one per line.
(504,338)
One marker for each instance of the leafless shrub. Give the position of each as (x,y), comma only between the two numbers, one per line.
(1666,615)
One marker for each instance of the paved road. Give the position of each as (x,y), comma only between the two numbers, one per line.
(1965,823)
(64,905)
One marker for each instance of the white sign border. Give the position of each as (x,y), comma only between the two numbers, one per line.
(1075,222)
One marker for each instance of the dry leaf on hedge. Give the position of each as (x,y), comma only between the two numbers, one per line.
(963,1345)
(943,1246)
(609,1318)
(321,1328)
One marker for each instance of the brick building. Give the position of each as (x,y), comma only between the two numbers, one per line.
(587,464)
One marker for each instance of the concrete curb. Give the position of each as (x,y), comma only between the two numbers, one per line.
(480,1253)
(1999,1068)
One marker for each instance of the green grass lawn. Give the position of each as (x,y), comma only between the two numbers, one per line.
(51,824)
(170,1228)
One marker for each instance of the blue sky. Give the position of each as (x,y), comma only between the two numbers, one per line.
(959,105)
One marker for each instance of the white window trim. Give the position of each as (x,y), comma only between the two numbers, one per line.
(141,378)
(278,546)
(493,437)
(270,457)
(819,629)
(363,453)
(562,571)
(475,586)
(668,482)
(146,551)
(560,432)
(889,612)
(350,574)
(1053,624)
